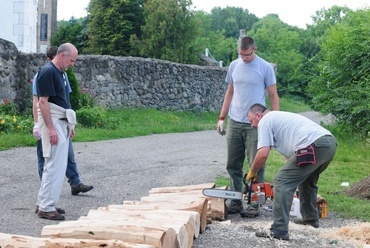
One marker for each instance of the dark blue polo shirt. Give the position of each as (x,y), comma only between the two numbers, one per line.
(51,82)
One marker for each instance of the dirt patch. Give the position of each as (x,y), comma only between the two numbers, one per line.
(360,189)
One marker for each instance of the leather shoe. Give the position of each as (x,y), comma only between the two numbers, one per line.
(276,234)
(53,215)
(233,206)
(59,210)
(313,223)
(81,188)
(250,212)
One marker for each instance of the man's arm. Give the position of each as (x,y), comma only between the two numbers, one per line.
(34,98)
(45,112)
(225,109)
(34,108)
(260,158)
(36,131)
(274,97)
(227,100)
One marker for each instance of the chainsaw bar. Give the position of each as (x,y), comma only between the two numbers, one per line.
(223,193)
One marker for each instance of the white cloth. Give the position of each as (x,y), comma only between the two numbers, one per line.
(56,113)
(55,167)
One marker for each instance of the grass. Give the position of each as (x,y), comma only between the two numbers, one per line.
(133,122)
(350,163)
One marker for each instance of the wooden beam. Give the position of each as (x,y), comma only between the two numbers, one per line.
(12,240)
(159,237)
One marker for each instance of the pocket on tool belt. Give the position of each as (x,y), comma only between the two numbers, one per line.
(306,156)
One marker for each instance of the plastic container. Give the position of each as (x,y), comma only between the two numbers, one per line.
(295,209)
(261,198)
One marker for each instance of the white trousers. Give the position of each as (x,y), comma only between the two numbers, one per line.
(54,172)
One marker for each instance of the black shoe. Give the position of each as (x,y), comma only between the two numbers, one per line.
(80,188)
(313,223)
(233,206)
(53,215)
(273,234)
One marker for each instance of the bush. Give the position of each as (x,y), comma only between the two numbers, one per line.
(80,98)
(96,118)
(8,107)
(343,86)
(15,124)
(87,99)
(75,95)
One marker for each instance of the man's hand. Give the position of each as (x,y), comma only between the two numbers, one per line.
(36,131)
(220,127)
(53,135)
(251,176)
(73,133)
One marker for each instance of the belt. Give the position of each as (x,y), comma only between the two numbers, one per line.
(242,123)
(63,119)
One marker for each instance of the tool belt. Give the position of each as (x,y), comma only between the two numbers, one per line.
(306,156)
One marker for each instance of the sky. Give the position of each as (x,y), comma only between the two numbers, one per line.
(293,12)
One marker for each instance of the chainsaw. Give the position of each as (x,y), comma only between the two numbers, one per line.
(256,193)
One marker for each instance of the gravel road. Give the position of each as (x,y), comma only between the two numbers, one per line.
(126,169)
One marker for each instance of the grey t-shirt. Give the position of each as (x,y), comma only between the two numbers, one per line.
(287,132)
(250,81)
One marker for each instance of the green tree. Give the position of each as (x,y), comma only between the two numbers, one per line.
(324,19)
(112,22)
(311,40)
(221,48)
(231,19)
(73,31)
(169,31)
(280,44)
(342,86)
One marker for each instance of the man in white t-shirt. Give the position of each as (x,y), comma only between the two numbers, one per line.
(308,148)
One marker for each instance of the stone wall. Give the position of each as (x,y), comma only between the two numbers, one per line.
(121,81)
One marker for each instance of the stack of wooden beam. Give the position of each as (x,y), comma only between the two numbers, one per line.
(168,217)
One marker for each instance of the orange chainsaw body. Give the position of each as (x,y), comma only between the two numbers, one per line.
(263,187)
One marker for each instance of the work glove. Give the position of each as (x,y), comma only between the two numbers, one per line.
(220,127)
(251,176)
(36,132)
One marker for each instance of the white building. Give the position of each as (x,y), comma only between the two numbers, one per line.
(29,24)
(18,22)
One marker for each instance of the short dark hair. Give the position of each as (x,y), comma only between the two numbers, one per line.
(257,107)
(246,42)
(52,52)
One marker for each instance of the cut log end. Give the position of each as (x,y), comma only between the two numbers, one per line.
(169,239)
